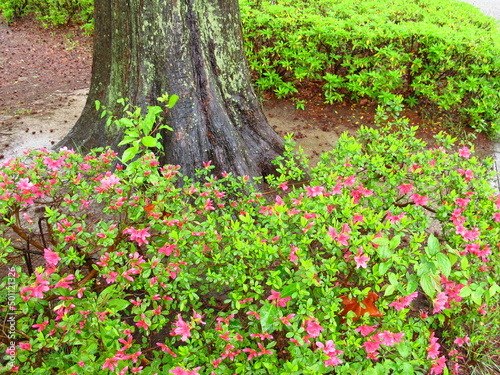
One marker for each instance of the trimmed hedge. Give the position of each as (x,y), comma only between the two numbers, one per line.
(443,54)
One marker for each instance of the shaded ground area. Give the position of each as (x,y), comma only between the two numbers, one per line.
(45,74)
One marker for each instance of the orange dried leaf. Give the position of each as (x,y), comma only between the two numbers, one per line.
(368,303)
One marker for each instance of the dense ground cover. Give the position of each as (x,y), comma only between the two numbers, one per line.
(381,259)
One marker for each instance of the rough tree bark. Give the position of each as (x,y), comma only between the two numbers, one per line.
(191,48)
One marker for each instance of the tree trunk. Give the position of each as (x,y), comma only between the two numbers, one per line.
(191,48)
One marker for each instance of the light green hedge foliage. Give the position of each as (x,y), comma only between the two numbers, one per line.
(443,54)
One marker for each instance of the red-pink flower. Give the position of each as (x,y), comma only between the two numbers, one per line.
(314,191)
(405,188)
(165,348)
(341,238)
(312,327)
(110,363)
(403,302)
(142,323)
(277,300)
(372,345)
(286,319)
(438,366)
(464,152)
(420,200)
(139,235)
(108,182)
(361,259)
(41,326)
(182,329)
(179,370)
(433,348)
(461,341)
(51,257)
(329,349)
(25,345)
(366,330)
(439,302)
(293,256)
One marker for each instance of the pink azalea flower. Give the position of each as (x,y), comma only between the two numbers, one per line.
(405,188)
(461,341)
(361,259)
(41,326)
(438,366)
(329,349)
(372,345)
(467,173)
(433,348)
(25,185)
(312,327)
(51,257)
(420,200)
(366,330)
(108,182)
(198,317)
(293,256)
(277,300)
(314,191)
(25,345)
(440,302)
(165,348)
(110,364)
(403,302)
(389,338)
(341,238)
(179,370)
(286,319)
(142,323)
(182,329)
(464,152)
(252,353)
(139,235)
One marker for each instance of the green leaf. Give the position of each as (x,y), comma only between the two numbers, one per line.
(117,304)
(477,295)
(130,153)
(105,294)
(444,264)
(381,241)
(432,246)
(148,141)
(126,122)
(268,314)
(384,267)
(494,289)
(97,105)
(404,350)
(289,290)
(384,252)
(127,140)
(172,100)
(430,284)
(389,290)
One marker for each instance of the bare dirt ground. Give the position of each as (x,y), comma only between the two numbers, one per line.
(45,75)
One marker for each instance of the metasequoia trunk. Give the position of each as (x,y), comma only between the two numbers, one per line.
(191,48)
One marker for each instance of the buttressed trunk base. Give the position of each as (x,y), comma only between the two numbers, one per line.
(191,48)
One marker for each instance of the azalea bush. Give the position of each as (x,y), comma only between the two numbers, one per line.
(381,259)
(51,12)
(441,55)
